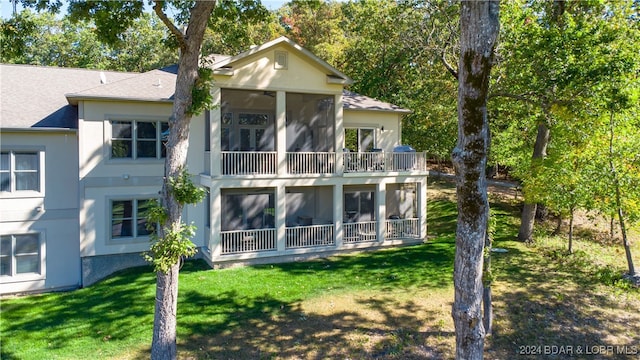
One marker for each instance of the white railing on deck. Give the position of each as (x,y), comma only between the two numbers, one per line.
(360,232)
(402,229)
(244,241)
(265,162)
(249,162)
(311,162)
(310,236)
(381,161)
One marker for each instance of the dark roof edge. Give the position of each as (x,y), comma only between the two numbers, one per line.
(39,129)
(74,98)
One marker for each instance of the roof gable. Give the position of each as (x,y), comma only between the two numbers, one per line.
(225,64)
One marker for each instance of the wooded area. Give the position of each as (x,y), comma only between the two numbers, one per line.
(564,80)
(562,115)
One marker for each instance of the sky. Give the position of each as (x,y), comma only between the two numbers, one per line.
(6,7)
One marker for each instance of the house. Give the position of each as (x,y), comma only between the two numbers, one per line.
(295,167)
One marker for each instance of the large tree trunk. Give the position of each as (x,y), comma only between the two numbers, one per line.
(528,217)
(164,345)
(479,25)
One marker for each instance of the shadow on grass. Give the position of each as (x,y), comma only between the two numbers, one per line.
(546,301)
(269,328)
(64,323)
(117,313)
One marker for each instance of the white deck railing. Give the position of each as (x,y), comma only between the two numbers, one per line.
(381,161)
(249,162)
(402,229)
(310,236)
(244,241)
(311,162)
(360,232)
(265,162)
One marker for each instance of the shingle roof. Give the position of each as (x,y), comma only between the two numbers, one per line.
(44,97)
(354,101)
(154,85)
(34,96)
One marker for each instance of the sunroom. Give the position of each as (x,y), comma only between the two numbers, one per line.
(253,221)
(249,133)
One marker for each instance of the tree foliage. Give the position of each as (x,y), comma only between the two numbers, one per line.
(49,40)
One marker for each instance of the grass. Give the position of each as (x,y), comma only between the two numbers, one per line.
(388,304)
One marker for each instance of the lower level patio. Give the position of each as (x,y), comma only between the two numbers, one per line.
(322,237)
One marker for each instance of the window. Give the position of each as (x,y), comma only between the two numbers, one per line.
(246,211)
(20,254)
(359,206)
(19,171)
(129,218)
(138,139)
(359,140)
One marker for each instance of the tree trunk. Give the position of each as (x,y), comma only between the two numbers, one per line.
(612,221)
(616,184)
(558,230)
(571,231)
(479,26)
(164,345)
(528,217)
(164,324)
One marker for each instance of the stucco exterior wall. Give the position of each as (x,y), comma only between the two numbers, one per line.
(103,179)
(385,139)
(259,72)
(53,213)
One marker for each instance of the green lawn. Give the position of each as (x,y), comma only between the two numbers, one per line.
(390,304)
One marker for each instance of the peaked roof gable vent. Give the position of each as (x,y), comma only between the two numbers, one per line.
(281,60)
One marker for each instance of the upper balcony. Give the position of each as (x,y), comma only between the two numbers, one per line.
(257,132)
(241,163)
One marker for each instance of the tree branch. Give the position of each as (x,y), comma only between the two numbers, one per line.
(448,66)
(157,7)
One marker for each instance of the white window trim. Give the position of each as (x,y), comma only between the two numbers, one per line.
(125,239)
(40,150)
(359,128)
(29,276)
(133,119)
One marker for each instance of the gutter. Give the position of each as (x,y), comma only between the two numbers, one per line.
(38,129)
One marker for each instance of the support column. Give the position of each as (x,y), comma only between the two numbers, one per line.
(339,134)
(281,218)
(281,131)
(215,203)
(215,156)
(381,210)
(422,206)
(338,212)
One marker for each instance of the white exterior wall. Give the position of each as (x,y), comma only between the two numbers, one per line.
(385,139)
(53,212)
(258,72)
(103,179)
